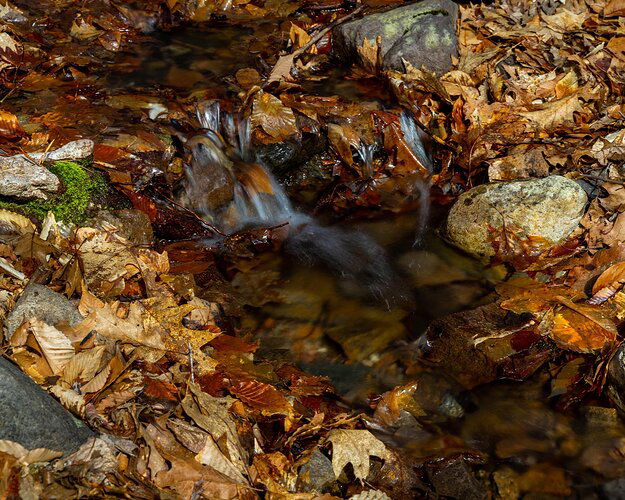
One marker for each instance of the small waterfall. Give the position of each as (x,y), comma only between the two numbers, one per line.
(258,199)
(413,137)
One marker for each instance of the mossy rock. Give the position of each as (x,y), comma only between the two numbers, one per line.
(422,33)
(80,187)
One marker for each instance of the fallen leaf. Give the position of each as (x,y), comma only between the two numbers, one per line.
(55,346)
(355,447)
(273,117)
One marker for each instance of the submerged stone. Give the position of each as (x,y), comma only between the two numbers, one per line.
(550,208)
(422,33)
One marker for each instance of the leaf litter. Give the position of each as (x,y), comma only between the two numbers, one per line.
(184,383)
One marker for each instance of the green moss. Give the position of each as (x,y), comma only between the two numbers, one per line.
(80,187)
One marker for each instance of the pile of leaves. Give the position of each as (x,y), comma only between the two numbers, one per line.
(159,364)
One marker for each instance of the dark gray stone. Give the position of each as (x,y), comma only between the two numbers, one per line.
(280,157)
(32,418)
(615,490)
(38,301)
(316,474)
(423,33)
(456,480)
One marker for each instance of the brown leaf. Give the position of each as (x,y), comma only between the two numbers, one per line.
(613,275)
(273,117)
(554,114)
(370,55)
(355,447)
(574,331)
(261,396)
(10,126)
(55,346)
(247,78)
(614,8)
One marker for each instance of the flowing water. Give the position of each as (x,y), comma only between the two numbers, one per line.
(352,299)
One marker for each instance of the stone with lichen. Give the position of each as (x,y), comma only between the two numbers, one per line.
(422,33)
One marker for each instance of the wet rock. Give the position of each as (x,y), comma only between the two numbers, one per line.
(134,225)
(316,474)
(550,208)
(280,157)
(38,301)
(34,419)
(422,33)
(25,179)
(616,379)
(614,489)
(209,183)
(456,480)
(469,345)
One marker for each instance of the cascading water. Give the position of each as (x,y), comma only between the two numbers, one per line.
(413,138)
(256,199)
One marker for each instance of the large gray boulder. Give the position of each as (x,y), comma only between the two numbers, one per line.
(38,301)
(423,33)
(32,418)
(550,208)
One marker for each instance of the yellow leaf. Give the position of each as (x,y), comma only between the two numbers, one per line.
(273,117)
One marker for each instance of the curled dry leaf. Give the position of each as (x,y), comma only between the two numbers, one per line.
(273,117)
(608,283)
(55,346)
(25,456)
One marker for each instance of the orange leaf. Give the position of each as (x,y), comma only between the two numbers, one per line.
(273,117)
(261,396)
(10,126)
(576,332)
(610,281)
(614,8)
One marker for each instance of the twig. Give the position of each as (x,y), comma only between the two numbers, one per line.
(285,63)
(602,179)
(191,363)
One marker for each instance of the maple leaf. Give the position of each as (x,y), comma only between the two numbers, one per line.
(273,117)
(355,447)
(370,55)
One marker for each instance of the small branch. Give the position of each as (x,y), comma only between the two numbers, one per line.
(285,63)
(597,178)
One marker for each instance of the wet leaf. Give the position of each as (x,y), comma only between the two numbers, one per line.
(261,396)
(355,447)
(273,117)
